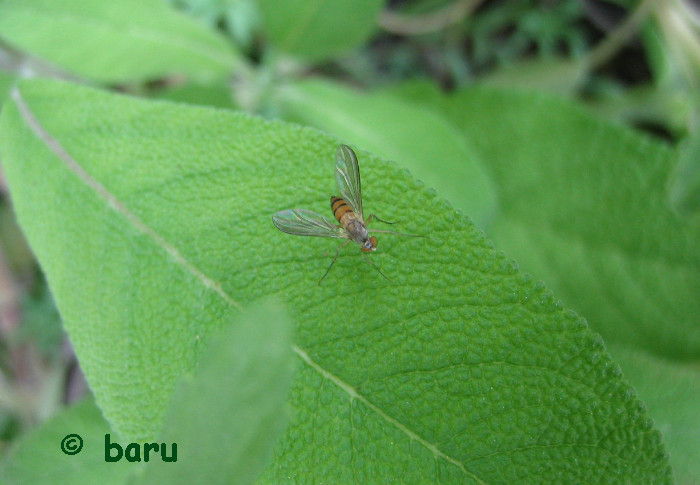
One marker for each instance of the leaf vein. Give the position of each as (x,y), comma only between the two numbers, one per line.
(401,427)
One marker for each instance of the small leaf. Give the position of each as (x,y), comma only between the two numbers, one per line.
(226,419)
(110,42)
(421,140)
(318,29)
(38,457)
(152,222)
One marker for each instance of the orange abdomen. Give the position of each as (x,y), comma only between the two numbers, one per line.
(340,208)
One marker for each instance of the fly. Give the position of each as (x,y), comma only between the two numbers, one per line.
(347,210)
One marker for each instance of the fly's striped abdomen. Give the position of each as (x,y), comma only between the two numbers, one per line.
(340,208)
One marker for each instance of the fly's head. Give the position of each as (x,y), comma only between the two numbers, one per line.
(370,245)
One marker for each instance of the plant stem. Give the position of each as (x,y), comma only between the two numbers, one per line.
(617,39)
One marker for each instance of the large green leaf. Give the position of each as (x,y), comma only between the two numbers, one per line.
(317,29)
(152,223)
(124,41)
(422,140)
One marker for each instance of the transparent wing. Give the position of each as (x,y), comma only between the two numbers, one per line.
(347,174)
(303,222)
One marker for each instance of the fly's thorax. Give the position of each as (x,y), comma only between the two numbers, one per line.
(357,231)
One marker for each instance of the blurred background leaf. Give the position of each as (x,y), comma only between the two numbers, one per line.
(318,29)
(113,42)
(227,418)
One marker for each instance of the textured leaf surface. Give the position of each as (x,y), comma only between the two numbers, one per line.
(152,223)
(422,140)
(317,29)
(584,205)
(124,41)
(227,418)
(38,458)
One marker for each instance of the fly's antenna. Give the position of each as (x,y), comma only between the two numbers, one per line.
(398,233)
(373,216)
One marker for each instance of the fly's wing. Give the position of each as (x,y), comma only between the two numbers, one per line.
(303,222)
(347,174)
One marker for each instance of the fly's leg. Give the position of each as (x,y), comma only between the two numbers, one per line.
(377,268)
(337,251)
(375,217)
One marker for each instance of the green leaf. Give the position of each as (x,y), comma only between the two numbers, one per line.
(38,458)
(584,207)
(226,419)
(110,42)
(671,392)
(318,29)
(152,223)
(685,186)
(243,22)
(421,140)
